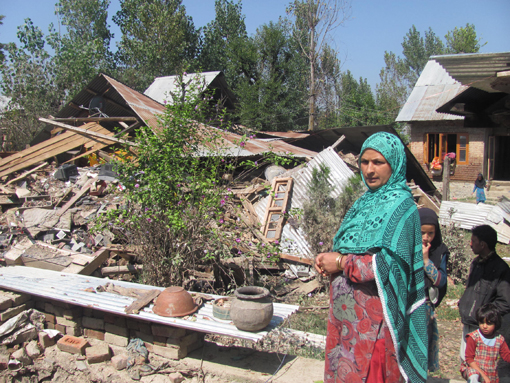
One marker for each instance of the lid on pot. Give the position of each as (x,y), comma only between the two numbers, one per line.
(174,301)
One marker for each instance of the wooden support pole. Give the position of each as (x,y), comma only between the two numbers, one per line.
(96,119)
(446,179)
(86,133)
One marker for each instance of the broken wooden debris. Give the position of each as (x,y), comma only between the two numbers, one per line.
(142,301)
(88,133)
(116,270)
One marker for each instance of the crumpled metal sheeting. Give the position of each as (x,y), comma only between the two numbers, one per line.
(70,288)
(468,215)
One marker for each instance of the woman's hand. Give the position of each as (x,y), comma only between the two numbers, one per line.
(325,263)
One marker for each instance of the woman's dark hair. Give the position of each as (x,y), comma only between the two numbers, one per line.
(489,313)
(486,234)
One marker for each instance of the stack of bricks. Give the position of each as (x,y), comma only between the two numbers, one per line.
(11,304)
(167,341)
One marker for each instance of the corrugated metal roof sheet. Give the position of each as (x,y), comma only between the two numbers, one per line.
(293,240)
(468,215)
(127,101)
(433,88)
(475,69)
(70,288)
(285,134)
(161,88)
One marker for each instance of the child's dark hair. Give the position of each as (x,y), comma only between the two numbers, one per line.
(489,313)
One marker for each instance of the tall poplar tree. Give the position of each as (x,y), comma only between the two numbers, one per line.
(158,39)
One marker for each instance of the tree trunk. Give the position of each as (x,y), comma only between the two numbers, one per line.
(311,116)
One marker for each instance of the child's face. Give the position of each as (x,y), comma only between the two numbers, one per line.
(428,232)
(487,329)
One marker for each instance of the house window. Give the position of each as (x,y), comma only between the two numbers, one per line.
(438,144)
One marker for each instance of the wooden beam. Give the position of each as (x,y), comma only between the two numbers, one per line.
(293,258)
(96,119)
(27,173)
(86,132)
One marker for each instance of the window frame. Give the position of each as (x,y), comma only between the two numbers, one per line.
(442,139)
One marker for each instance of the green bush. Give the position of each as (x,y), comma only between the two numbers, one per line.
(323,214)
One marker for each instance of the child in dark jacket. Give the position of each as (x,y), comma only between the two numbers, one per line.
(483,347)
(435,258)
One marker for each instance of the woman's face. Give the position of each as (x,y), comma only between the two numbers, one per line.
(376,170)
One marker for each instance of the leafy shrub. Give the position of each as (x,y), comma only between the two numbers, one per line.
(323,214)
(460,254)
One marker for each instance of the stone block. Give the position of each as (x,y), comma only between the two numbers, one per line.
(13,311)
(72,344)
(94,334)
(93,323)
(145,327)
(61,328)
(119,362)
(67,322)
(115,319)
(50,326)
(98,354)
(144,336)
(184,341)
(132,324)
(45,341)
(58,311)
(74,331)
(117,330)
(50,318)
(175,377)
(4,361)
(159,340)
(16,298)
(73,314)
(98,314)
(5,302)
(170,352)
(33,350)
(116,340)
(49,308)
(40,305)
(22,356)
(168,331)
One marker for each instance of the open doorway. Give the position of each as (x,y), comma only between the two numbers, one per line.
(502,158)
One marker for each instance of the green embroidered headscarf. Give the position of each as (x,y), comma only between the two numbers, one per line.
(385,221)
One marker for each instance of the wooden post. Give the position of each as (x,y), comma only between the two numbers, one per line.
(446,179)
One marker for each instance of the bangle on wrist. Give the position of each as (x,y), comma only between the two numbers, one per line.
(339,262)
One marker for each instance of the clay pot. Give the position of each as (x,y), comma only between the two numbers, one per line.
(174,301)
(251,309)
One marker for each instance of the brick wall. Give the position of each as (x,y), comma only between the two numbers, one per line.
(476,147)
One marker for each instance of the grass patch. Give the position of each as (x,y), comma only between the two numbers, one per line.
(447,312)
(311,320)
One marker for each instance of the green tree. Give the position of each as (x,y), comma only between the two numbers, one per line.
(28,78)
(84,49)
(463,40)
(273,97)
(226,45)
(158,39)
(314,21)
(417,50)
(2,46)
(357,104)
(392,90)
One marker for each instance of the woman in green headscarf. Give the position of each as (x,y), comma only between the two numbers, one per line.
(377,319)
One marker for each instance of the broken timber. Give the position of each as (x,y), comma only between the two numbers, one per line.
(86,133)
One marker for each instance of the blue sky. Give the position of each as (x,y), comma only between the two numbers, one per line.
(375,26)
